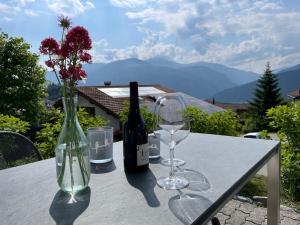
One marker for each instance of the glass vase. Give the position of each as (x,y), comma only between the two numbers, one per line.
(72,151)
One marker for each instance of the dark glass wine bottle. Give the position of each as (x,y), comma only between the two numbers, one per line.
(135,137)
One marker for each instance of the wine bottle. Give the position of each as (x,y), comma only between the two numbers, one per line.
(135,137)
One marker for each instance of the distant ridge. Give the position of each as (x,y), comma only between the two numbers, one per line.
(289,80)
(201,80)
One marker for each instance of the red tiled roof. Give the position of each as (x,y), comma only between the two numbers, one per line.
(109,104)
(294,94)
(236,107)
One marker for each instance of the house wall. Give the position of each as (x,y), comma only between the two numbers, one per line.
(114,122)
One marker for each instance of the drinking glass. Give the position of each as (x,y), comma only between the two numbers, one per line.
(171,128)
(101,144)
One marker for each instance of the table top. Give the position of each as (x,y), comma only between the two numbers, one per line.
(217,167)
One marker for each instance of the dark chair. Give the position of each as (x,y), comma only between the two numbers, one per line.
(16,149)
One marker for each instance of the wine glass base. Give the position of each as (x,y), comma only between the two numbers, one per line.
(177,162)
(174,183)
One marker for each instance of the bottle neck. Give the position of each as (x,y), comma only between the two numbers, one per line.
(134,108)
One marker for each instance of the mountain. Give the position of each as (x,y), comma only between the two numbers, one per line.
(200,80)
(162,61)
(92,69)
(197,81)
(235,75)
(289,80)
(290,69)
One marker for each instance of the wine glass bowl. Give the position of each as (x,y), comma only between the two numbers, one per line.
(172,127)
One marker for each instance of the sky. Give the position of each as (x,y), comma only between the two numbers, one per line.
(244,34)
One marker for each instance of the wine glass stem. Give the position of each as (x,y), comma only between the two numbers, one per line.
(172,162)
(172,156)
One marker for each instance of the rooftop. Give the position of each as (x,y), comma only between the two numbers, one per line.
(294,94)
(111,98)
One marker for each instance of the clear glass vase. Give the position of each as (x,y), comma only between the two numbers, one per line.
(72,151)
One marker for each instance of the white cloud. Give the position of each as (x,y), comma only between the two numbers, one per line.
(24,2)
(69,8)
(100,44)
(16,7)
(130,3)
(4,8)
(29,12)
(8,19)
(230,32)
(149,48)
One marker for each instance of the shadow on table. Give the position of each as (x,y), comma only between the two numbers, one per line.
(100,168)
(145,182)
(155,160)
(197,180)
(188,207)
(65,208)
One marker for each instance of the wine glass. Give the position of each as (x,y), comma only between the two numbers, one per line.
(180,134)
(171,128)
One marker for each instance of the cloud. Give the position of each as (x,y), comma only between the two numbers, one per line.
(24,2)
(17,7)
(71,8)
(236,33)
(8,19)
(150,47)
(100,44)
(130,3)
(29,12)
(4,8)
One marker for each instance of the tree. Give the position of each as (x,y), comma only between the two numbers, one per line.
(22,86)
(54,91)
(266,95)
(286,119)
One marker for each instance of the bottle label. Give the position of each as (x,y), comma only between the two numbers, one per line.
(142,154)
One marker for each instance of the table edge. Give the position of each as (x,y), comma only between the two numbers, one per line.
(219,203)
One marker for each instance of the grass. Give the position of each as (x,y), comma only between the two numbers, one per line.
(257,186)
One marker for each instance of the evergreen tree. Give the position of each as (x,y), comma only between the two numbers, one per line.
(266,95)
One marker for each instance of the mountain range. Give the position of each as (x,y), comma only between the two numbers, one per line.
(201,80)
(288,80)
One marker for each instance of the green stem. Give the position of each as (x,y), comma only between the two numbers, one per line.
(73,146)
(62,171)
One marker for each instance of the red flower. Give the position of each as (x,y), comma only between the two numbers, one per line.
(49,46)
(70,54)
(64,22)
(50,63)
(64,74)
(76,73)
(77,40)
(82,73)
(85,57)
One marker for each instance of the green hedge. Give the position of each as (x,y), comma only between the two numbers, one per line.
(48,135)
(11,123)
(223,122)
(148,117)
(286,119)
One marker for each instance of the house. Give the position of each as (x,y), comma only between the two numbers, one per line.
(238,108)
(108,101)
(295,95)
